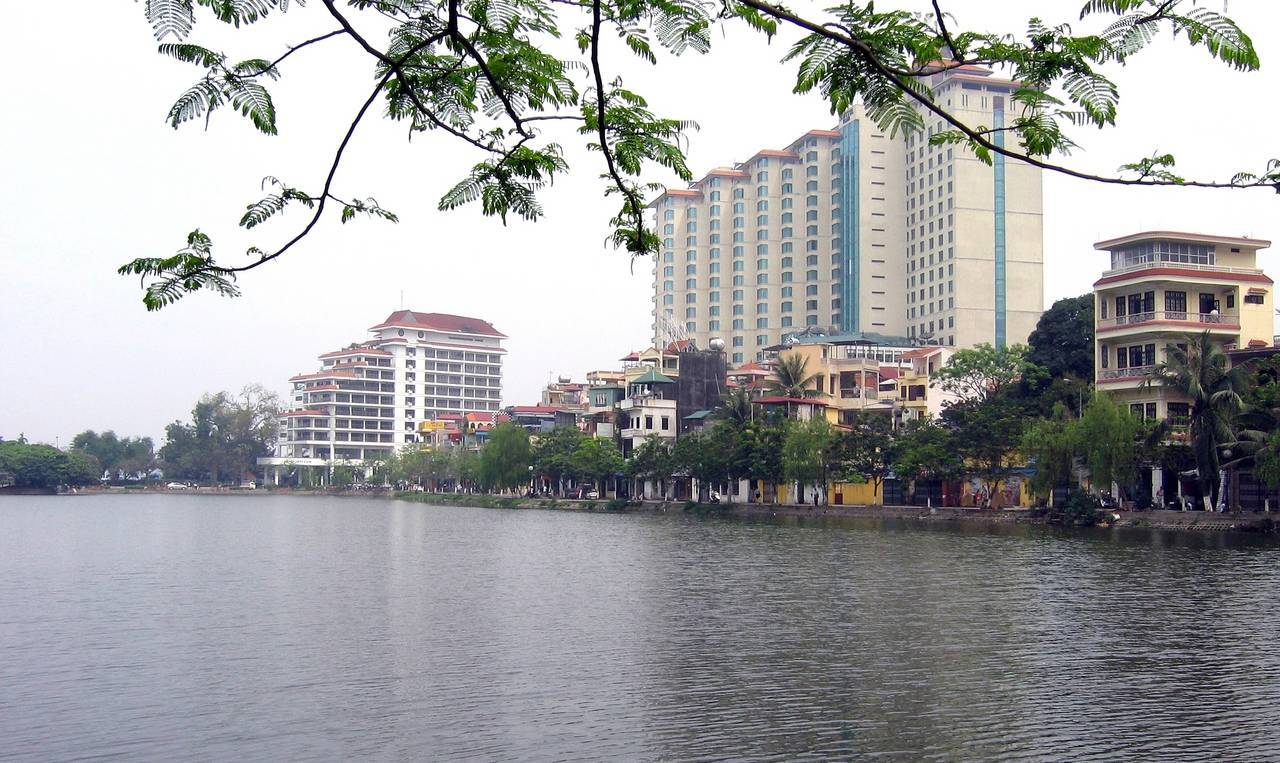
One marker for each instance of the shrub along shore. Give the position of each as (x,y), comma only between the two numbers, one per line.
(1171,520)
(1166,520)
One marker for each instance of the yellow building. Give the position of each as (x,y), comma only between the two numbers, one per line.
(918,395)
(1162,286)
(849,382)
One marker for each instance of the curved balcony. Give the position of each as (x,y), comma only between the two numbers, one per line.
(1131,374)
(1182,319)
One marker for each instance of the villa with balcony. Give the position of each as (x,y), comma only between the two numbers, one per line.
(1163,286)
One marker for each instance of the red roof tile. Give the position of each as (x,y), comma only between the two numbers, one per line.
(457,324)
(751,368)
(534,409)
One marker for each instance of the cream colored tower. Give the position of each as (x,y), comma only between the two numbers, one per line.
(853,230)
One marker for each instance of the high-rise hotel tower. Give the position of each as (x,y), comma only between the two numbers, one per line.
(851,230)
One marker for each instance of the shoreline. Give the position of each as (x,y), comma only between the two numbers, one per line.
(1194,521)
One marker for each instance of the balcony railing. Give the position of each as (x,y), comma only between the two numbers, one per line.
(1181,266)
(1132,372)
(1134,319)
(858,392)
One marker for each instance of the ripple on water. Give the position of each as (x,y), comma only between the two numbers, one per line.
(275,627)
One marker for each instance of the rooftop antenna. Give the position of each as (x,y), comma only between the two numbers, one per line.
(402,299)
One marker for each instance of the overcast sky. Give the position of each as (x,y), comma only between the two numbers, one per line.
(91,176)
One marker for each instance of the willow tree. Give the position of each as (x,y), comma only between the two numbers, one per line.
(495,78)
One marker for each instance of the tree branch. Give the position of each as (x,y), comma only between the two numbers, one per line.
(271,66)
(869,55)
(631,200)
(333,170)
(498,89)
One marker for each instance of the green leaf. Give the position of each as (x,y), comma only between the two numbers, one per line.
(253,101)
(170,17)
(199,99)
(192,54)
(189,270)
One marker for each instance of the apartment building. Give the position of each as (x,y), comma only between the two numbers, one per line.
(371,397)
(1162,286)
(856,230)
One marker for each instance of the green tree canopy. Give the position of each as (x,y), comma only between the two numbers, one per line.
(44,467)
(987,433)
(1062,342)
(595,460)
(1052,444)
(1108,437)
(226,435)
(983,372)
(129,454)
(1200,371)
(553,453)
(808,451)
(506,457)
(494,77)
(651,460)
(868,450)
(926,450)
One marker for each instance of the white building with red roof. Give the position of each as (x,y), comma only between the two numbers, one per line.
(372,397)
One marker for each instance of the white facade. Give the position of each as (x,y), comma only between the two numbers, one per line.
(369,398)
(854,230)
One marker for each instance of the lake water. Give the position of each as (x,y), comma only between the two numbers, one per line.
(272,628)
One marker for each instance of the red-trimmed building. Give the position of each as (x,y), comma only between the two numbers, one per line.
(1162,286)
(372,397)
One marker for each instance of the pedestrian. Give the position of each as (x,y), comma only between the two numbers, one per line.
(815,499)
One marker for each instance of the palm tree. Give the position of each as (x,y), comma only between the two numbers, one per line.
(1202,374)
(791,378)
(735,406)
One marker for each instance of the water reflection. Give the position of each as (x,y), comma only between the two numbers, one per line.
(256,628)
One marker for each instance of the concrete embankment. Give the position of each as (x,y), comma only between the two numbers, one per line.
(1196,521)
(1170,520)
